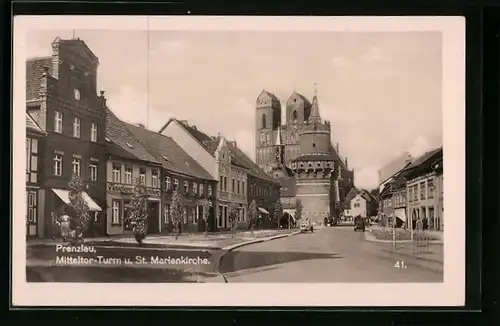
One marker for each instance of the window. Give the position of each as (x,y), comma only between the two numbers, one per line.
(93,132)
(430,189)
(34,146)
(295,116)
(176,184)
(76,127)
(166,214)
(76,93)
(195,188)
(238,187)
(264,121)
(142,176)
(221,183)
(28,154)
(200,190)
(128,175)
(209,190)
(116,174)
(116,211)
(225,184)
(243,187)
(93,171)
(58,165)
(168,183)
(58,121)
(77,166)
(262,140)
(415,192)
(422,190)
(154,179)
(233,188)
(186,187)
(195,215)
(32,206)
(185,215)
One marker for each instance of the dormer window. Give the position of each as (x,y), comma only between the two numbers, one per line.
(76,93)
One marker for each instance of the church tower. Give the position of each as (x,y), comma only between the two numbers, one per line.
(267,122)
(315,168)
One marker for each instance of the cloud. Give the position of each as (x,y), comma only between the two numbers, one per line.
(341,61)
(419,146)
(131,105)
(373,54)
(366,178)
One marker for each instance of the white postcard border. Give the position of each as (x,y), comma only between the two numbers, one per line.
(449,293)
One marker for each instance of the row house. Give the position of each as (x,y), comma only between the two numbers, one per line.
(425,191)
(34,194)
(260,186)
(181,173)
(213,155)
(129,162)
(61,97)
(359,202)
(227,167)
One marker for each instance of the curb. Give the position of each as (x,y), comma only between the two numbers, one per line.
(238,245)
(421,262)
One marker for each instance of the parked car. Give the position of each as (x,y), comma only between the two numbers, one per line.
(359,224)
(306,227)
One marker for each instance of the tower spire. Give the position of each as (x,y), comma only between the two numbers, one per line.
(279,141)
(315,117)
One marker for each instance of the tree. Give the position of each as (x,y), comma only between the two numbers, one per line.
(139,211)
(176,212)
(278,213)
(298,209)
(206,214)
(252,214)
(79,206)
(233,218)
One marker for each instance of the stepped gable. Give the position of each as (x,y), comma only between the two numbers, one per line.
(169,153)
(34,71)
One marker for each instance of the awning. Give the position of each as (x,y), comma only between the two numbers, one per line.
(400,213)
(262,210)
(64,195)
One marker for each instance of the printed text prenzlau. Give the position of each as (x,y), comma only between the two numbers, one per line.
(70,248)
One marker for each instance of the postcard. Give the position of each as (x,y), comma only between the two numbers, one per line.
(238,161)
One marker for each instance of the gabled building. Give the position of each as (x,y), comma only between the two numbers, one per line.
(213,154)
(359,202)
(425,190)
(183,173)
(128,162)
(62,98)
(34,194)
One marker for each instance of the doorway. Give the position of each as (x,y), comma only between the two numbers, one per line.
(153,216)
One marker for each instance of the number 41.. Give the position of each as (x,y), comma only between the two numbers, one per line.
(400,264)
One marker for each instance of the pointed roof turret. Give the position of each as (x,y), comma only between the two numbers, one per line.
(279,141)
(315,117)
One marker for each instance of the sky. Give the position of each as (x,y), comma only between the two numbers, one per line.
(381,91)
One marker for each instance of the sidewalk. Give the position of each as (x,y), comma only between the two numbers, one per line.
(185,241)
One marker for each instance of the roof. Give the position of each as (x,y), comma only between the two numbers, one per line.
(210,143)
(288,187)
(306,101)
(240,158)
(169,153)
(350,195)
(32,125)
(271,95)
(427,156)
(125,143)
(394,166)
(317,157)
(34,71)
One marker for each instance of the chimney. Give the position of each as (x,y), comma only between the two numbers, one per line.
(103,100)
(409,159)
(337,148)
(194,127)
(346,166)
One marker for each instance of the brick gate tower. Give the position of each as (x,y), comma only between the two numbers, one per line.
(314,166)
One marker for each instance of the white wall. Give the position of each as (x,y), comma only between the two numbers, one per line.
(358,206)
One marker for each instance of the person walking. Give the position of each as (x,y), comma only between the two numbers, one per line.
(64,225)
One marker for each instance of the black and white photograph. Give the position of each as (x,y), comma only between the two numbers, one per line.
(212,160)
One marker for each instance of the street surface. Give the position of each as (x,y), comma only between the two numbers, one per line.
(332,254)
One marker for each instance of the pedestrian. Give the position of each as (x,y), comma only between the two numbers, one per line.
(64,225)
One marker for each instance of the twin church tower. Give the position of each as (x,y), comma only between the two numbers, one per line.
(302,150)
